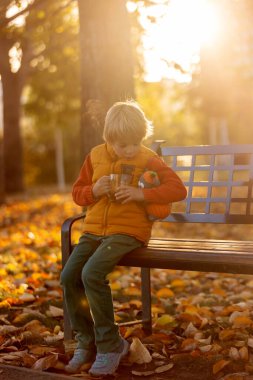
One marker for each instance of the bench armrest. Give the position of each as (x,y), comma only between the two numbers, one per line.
(66,244)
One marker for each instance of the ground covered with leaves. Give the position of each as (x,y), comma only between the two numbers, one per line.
(202,322)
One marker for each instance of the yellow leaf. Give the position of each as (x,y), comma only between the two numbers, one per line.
(226,334)
(178,283)
(115,285)
(57,329)
(157,310)
(115,275)
(136,303)
(230,309)
(165,320)
(4,305)
(219,292)
(165,293)
(190,309)
(242,321)
(129,332)
(244,353)
(132,291)
(218,366)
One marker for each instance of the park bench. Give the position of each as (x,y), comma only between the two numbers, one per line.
(219,180)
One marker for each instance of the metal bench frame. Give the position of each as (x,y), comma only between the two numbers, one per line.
(225,167)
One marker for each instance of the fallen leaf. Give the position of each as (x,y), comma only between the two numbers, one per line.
(132,291)
(35,326)
(234,353)
(138,353)
(206,348)
(178,283)
(54,312)
(165,320)
(190,330)
(237,376)
(46,362)
(115,285)
(27,297)
(164,368)
(165,293)
(51,339)
(242,321)
(40,350)
(189,344)
(4,305)
(218,366)
(226,334)
(143,373)
(250,342)
(7,329)
(244,353)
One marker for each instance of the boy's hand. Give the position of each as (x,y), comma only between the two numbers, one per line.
(125,194)
(102,186)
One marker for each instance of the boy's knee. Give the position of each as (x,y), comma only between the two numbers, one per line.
(92,277)
(66,278)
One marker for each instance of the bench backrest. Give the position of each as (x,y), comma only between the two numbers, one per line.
(219,180)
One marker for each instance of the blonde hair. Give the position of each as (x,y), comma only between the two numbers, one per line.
(125,121)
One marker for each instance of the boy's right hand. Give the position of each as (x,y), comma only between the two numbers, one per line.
(102,186)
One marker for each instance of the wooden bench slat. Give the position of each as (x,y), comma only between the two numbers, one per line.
(233,258)
(169,244)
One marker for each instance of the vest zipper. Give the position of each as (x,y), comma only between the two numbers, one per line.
(108,206)
(105,217)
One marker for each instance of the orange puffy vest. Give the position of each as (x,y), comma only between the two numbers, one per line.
(106,217)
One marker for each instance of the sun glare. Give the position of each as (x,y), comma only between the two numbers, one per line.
(184,26)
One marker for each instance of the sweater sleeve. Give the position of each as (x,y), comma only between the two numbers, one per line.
(82,189)
(171,188)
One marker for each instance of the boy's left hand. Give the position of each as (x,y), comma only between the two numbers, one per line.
(125,194)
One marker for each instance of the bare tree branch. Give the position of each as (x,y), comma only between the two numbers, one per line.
(36,5)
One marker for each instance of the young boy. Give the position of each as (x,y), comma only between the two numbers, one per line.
(112,228)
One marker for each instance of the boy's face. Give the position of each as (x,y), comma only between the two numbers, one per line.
(126,150)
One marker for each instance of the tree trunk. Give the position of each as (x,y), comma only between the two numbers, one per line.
(59,159)
(2,190)
(106,63)
(12,145)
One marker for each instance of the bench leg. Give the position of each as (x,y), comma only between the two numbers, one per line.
(146,300)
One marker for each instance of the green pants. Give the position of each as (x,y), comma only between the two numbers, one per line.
(87,292)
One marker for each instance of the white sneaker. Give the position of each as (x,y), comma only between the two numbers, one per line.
(81,356)
(107,364)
